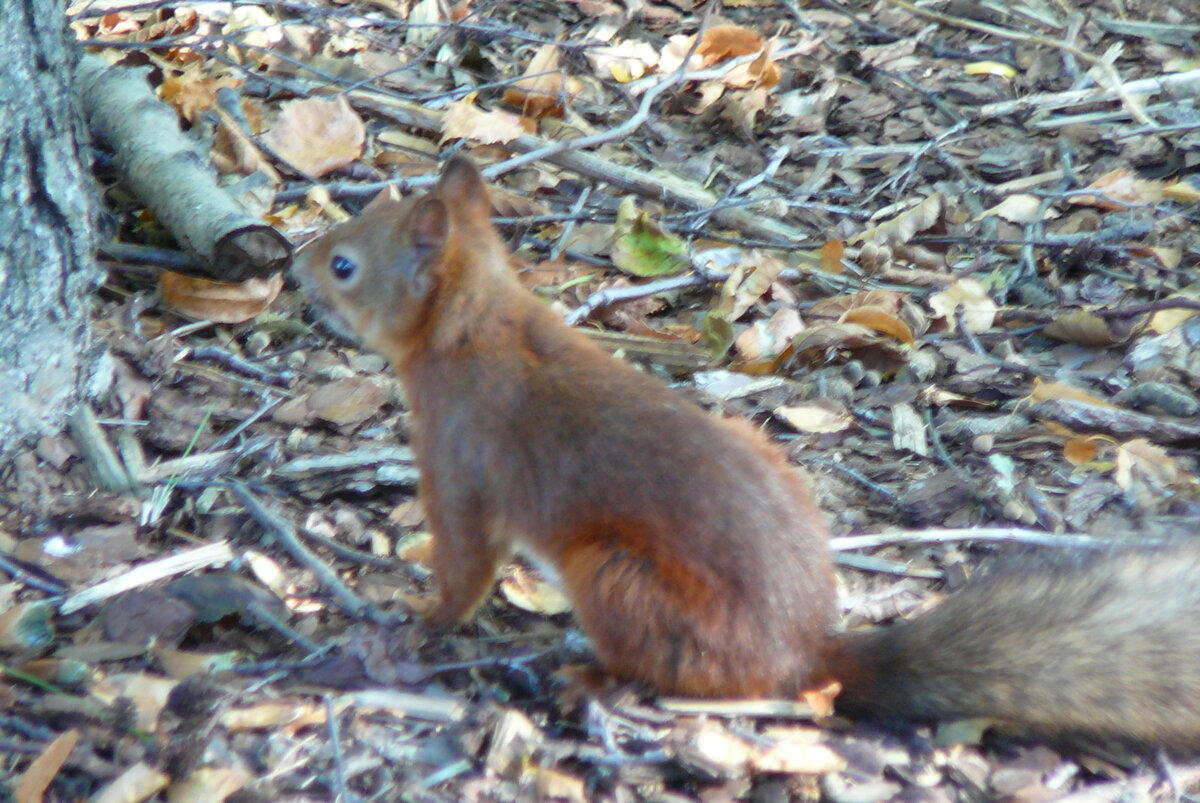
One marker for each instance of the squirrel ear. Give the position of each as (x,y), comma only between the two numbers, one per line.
(429,224)
(463,187)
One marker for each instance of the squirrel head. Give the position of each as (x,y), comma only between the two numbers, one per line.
(376,276)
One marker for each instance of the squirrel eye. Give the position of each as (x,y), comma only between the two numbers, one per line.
(343,268)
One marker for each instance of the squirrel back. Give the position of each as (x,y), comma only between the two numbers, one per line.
(695,557)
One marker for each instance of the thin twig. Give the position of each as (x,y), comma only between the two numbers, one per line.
(283,531)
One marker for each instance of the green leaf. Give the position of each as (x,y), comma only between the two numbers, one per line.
(644,248)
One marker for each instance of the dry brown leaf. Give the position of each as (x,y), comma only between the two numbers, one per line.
(31,784)
(1019,208)
(724,749)
(147,692)
(464,120)
(742,108)
(287,714)
(978,309)
(928,214)
(180,664)
(1121,187)
(346,402)
(1080,451)
(625,61)
(139,782)
(723,42)
(831,256)
(881,321)
(1184,190)
(766,340)
(762,270)
(1143,456)
(553,784)
(544,89)
(193,91)
(802,754)
(822,700)
(531,592)
(317,136)
(813,418)
(1057,391)
(837,306)
(1086,328)
(220,302)
(209,785)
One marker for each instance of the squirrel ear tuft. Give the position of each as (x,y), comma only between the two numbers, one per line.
(463,188)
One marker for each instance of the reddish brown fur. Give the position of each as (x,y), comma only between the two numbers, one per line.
(695,557)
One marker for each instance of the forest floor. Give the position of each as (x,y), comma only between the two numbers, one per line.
(947,255)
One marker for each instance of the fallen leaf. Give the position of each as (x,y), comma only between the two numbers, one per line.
(978,309)
(531,592)
(644,248)
(220,302)
(881,321)
(31,785)
(464,120)
(813,418)
(1119,188)
(1059,391)
(139,782)
(1086,328)
(317,136)
(544,88)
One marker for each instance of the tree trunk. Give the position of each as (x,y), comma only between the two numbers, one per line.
(48,214)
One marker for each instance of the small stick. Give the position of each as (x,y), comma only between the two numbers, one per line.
(203,557)
(281,529)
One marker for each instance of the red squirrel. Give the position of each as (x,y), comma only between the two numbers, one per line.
(695,557)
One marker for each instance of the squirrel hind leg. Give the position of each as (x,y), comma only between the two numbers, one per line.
(677,630)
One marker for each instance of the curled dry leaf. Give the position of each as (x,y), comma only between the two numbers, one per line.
(925,216)
(220,302)
(766,340)
(317,136)
(978,309)
(192,91)
(996,68)
(1058,391)
(761,271)
(531,592)
(882,321)
(544,88)
(929,216)
(465,120)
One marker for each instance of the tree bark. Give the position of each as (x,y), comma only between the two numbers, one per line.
(48,216)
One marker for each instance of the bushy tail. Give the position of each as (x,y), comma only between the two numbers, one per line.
(1101,649)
